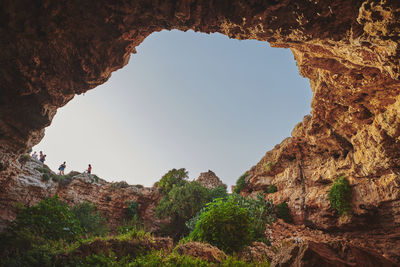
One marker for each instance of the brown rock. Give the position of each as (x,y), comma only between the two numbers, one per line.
(201,250)
(257,252)
(209,180)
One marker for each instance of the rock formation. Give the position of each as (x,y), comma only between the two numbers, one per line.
(111,199)
(349,50)
(209,180)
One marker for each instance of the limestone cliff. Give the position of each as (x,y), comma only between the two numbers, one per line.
(349,49)
(27,187)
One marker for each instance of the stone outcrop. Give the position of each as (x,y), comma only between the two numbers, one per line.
(27,187)
(203,251)
(209,180)
(349,50)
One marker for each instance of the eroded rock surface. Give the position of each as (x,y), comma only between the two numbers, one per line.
(26,186)
(209,180)
(349,50)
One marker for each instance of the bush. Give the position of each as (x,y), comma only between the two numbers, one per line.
(340,195)
(219,192)
(261,213)
(224,224)
(181,204)
(272,189)
(157,258)
(132,224)
(24,158)
(283,212)
(240,183)
(89,218)
(171,179)
(34,226)
(45,177)
(131,210)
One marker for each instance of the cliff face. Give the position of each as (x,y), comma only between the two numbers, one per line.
(26,186)
(349,50)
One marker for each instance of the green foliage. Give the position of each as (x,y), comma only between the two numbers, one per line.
(224,224)
(283,212)
(240,183)
(131,210)
(261,213)
(181,204)
(24,158)
(133,224)
(45,177)
(171,179)
(340,195)
(157,258)
(219,192)
(91,222)
(38,225)
(272,189)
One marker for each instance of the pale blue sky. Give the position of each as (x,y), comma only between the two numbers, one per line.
(185,100)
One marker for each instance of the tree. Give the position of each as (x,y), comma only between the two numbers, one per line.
(181,204)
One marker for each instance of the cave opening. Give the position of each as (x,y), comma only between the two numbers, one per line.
(186,99)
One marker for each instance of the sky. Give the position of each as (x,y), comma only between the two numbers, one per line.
(185,100)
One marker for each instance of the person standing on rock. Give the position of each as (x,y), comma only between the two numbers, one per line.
(35,155)
(89,169)
(42,158)
(62,168)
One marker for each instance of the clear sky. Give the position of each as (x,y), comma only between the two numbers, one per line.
(185,100)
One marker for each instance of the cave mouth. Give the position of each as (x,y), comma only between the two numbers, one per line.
(186,99)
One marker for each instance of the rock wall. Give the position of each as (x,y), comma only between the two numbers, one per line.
(349,50)
(27,187)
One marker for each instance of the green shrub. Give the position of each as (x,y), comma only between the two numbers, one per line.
(132,210)
(240,183)
(224,224)
(272,189)
(158,258)
(24,158)
(219,192)
(261,213)
(90,220)
(134,223)
(181,204)
(37,225)
(283,212)
(45,177)
(171,179)
(340,195)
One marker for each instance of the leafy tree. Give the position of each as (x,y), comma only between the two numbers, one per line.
(219,192)
(49,220)
(224,224)
(240,183)
(89,218)
(172,178)
(181,204)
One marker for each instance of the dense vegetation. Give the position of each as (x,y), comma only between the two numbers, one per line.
(52,233)
(340,195)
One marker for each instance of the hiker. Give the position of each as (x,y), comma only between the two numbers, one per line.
(35,155)
(89,169)
(42,158)
(62,168)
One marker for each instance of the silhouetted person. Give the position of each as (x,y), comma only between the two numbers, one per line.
(62,168)
(89,169)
